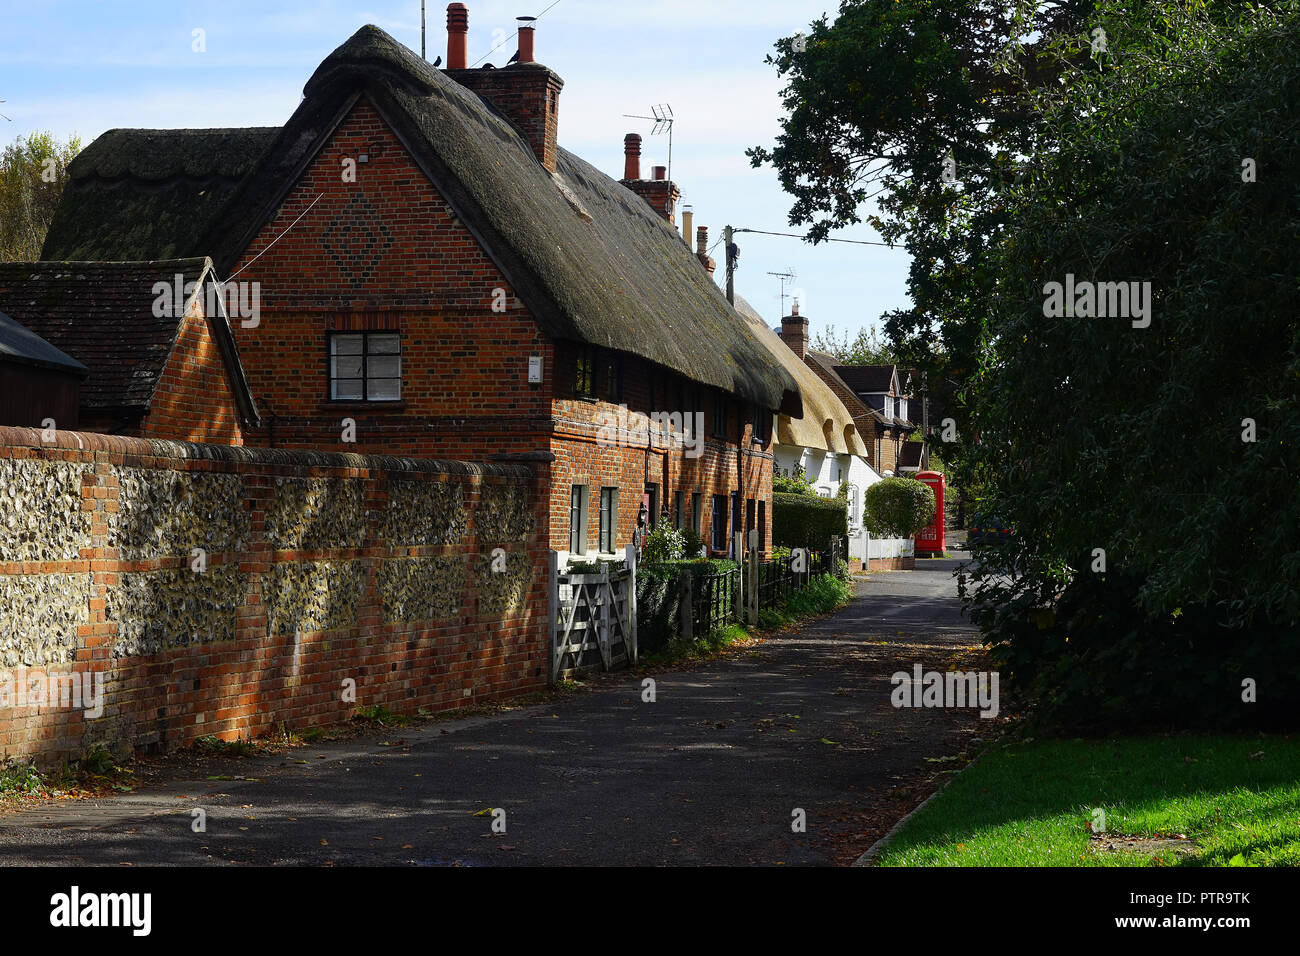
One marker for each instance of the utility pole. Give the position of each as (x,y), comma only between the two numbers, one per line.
(733,254)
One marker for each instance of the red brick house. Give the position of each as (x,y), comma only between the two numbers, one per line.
(159,361)
(438,278)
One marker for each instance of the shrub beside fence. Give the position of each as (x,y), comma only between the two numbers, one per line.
(711,592)
(659,592)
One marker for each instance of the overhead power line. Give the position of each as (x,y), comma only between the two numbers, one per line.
(792,235)
(508,39)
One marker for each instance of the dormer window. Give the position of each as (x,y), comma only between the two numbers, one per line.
(611,378)
(584,372)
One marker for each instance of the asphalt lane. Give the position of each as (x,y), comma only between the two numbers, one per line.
(714,771)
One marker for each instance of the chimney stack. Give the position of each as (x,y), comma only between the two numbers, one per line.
(794,332)
(688,223)
(702,249)
(659,193)
(457,36)
(632,157)
(527,93)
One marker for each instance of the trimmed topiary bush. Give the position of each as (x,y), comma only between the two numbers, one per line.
(898,507)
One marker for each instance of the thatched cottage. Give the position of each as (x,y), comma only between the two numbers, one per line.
(433,270)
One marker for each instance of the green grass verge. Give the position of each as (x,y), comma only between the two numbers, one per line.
(1236,799)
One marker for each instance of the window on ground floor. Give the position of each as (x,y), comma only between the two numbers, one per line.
(719,522)
(608,518)
(578,519)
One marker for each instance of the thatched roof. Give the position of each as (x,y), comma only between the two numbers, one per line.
(591,261)
(21,346)
(102,314)
(148,194)
(825,423)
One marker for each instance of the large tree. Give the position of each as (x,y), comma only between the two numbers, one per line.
(1149,459)
(909,116)
(32,173)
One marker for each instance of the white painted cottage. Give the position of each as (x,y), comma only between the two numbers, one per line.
(824,442)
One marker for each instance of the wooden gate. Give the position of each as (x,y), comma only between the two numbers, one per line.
(594,624)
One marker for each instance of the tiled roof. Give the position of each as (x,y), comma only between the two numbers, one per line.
(828,365)
(867,378)
(101,314)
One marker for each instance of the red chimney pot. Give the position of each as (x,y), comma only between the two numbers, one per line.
(632,156)
(526,36)
(457,36)
(660,172)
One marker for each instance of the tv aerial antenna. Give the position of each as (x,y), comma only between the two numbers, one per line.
(663,120)
(788,276)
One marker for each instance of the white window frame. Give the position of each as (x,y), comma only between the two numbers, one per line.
(583,518)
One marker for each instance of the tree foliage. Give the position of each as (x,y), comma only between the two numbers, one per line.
(33,170)
(875,104)
(866,348)
(1155,562)
(796,484)
(1154,567)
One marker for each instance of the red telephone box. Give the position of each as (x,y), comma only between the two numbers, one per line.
(929,540)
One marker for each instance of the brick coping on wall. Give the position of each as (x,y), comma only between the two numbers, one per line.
(145,448)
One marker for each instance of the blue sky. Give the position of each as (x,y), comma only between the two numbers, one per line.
(85,67)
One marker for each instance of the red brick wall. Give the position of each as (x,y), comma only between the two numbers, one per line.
(194,399)
(582,458)
(248,684)
(904,563)
(387,253)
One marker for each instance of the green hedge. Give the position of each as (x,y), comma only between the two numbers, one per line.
(802,522)
(658,607)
